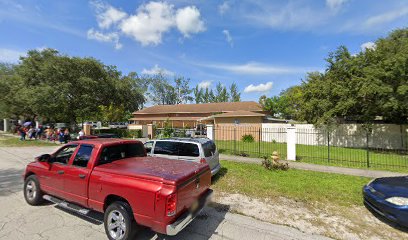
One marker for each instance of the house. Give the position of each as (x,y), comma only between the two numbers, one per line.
(190,115)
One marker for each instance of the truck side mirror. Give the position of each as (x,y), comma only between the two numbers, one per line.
(44,158)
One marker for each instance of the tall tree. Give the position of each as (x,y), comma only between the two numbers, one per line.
(235,95)
(198,94)
(62,88)
(221,93)
(183,90)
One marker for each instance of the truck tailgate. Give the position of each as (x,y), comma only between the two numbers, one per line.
(189,192)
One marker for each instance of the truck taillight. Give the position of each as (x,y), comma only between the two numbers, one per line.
(202,160)
(171,205)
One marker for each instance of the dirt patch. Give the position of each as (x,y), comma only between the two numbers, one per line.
(352,222)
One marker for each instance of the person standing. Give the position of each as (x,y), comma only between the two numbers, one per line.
(81,134)
(67,137)
(61,135)
(22,132)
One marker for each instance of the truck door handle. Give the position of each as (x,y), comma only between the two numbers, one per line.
(82,176)
(60,172)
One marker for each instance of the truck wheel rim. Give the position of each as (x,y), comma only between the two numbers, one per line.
(31,190)
(116,225)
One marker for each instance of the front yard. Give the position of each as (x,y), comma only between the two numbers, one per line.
(255,181)
(333,156)
(314,202)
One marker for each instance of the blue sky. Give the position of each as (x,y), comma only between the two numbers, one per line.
(263,46)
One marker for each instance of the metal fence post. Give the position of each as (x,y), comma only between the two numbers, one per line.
(259,141)
(368,151)
(328,146)
(235,140)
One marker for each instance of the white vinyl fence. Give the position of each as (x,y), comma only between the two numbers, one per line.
(383,136)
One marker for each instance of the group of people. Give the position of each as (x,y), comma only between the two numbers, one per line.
(30,132)
(51,134)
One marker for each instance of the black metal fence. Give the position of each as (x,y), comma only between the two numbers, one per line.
(356,148)
(361,149)
(251,141)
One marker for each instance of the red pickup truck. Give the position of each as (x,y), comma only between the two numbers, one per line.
(114,176)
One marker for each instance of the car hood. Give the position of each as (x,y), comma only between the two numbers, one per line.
(391,186)
(155,168)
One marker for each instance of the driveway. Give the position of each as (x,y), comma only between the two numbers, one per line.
(21,221)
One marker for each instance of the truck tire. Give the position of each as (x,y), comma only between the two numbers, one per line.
(119,222)
(32,191)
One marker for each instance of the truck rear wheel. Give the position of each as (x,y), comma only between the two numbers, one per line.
(32,191)
(119,222)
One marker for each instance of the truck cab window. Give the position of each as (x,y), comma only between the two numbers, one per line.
(117,152)
(63,155)
(83,155)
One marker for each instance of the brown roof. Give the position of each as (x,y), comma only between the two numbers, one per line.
(234,114)
(165,118)
(202,108)
(239,114)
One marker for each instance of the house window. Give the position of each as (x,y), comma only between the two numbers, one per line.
(236,121)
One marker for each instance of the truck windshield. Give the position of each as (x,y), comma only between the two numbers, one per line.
(121,151)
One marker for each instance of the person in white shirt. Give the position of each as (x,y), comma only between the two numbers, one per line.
(81,134)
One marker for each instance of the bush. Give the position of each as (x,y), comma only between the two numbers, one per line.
(274,164)
(247,138)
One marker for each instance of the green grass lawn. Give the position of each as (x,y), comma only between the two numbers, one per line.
(339,156)
(306,186)
(8,141)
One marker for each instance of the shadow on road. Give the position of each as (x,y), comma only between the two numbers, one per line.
(203,227)
(11,181)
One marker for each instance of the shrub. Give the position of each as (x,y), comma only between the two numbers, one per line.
(274,164)
(247,138)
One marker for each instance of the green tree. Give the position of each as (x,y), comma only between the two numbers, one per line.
(57,87)
(371,84)
(235,95)
(221,93)
(183,90)
(198,94)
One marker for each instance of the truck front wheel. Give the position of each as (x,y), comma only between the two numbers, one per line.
(119,222)
(32,191)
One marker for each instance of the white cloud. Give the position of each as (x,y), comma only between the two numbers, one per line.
(150,22)
(386,17)
(228,37)
(254,68)
(189,21)
(335,5)
(148,25)
(223,8)
(205,84)
(107,15)
(262,87)
(367,45)
(104,37)
(157,70)
(10,56)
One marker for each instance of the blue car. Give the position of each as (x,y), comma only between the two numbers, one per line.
(389,198)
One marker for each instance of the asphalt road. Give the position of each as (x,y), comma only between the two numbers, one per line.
(19,220)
